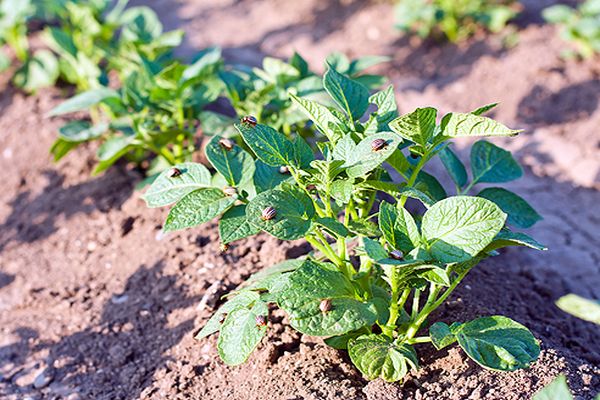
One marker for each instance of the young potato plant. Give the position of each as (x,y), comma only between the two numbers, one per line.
(579,26)
(264,92)
(93,39)
(378,270)
(155,112)
(455,20)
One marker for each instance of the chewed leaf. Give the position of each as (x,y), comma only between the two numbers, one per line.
(377,356)
(169,187)
(458,228)
(498,343)
(308,287)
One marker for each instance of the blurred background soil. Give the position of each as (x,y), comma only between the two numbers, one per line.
(95,303)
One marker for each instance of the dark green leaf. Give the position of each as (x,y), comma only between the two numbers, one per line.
(520,213)
(196,208)
(498,343)
(429,185)
(334,226)
(294,213)
(482,110)
(267,177)
(234,225)
(351,96)
(398,227)
(507,238)
(377,356)
(454,166)
(441,335)
(242,300)
(490,163)
(270,146)
(327,123)
(236,165)
(312,283)
(81,131)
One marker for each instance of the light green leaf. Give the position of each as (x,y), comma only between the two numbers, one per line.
(506,238)
(312,283)
(327,123)
(398,227)
(520,213)
(490,163)
(418,126)
(458,228)
(240,334)
(351,96)
(303,154)
(111,150)
(81,131)
(242,300)
(167,189)
(387,109)
(41,70)
(61,148)
(556,390)
(83,101)
(498,343)
(236,165)
(270,146)
(341,190)
(360,158)
(435,274)
(377,356)
(454,166)
(580,307)
(294,213)
(416,194)
(441,335)
(196,208)
(269,278)
(469,124)
(334,226)
(234,225)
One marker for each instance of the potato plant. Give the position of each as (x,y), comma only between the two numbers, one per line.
(579,26)
(379,267)
(454,20)
(264,92)
(155,112)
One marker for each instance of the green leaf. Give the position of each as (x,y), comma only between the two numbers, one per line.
(264,279)
(327,123)
(334,226)
(167,189)
(303,154)
(312,283)
(556,390)
(559,13)
(81,131)
(111,150)
(360,158)
(398,227)
(416,194)
(441,335)
(498,343)
(41,70)
(293,220)
(429,185)
(377,356)
(61,148)
(270,146)
(84,101)
(341,190)
(580,307)
(387,109)
(267,177)
(458,228)
(435,274)
(506,238)
(483,109)
(234,225)
(520,213)
(454,166)
(340,342)
(469,124)
(240,334)
(236,165)
(418,126)
(490,163)
(351,96)
(242,300)
(196,208)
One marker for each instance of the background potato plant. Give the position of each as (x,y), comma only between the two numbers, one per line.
(454,20)
(380,265)
(579,26)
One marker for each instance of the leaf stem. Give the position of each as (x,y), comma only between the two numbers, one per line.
(420,339)
(413,176)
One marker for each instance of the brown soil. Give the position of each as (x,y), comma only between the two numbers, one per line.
(95,300)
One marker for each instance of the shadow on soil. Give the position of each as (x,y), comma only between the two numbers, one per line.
(34,217)
(117,357)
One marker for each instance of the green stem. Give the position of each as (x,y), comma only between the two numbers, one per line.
(420,339)
(467,188)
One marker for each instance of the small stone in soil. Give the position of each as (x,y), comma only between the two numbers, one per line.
(119,299)
(44,379)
